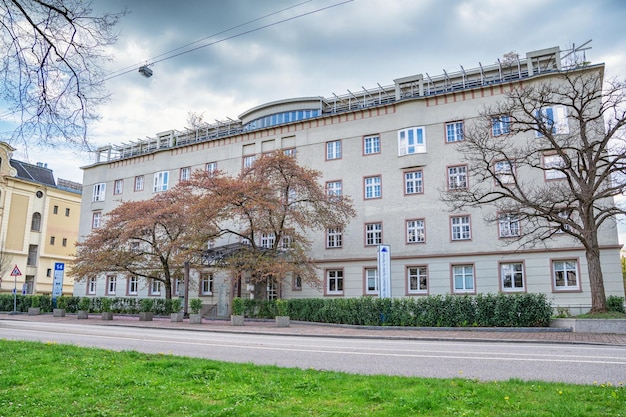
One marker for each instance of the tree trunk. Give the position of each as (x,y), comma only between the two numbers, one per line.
(596,281)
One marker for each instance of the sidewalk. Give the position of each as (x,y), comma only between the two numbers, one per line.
(530,335)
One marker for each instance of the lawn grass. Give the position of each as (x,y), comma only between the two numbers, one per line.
(606,315)
(39,379)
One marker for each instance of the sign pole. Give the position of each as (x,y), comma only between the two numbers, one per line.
(16,271)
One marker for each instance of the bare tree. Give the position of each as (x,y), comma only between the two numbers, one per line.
(51,67)
(5,261)
(551,156)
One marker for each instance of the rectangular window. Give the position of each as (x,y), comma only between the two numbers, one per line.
(290,152)
(267,240)
(463,279)
(33,250)
(413,183)
(185,174)
(411,140)
(457,177)
(118,187)
(565,275)
(334,282)
(334,188)
(133,285)
(461,229)
(99,192)
(372,187)
(248,161)
(96,220)
(52,239)
(566,216)
(155,287)
(91,285)
(508,225)
(415,231)
(373,234)
(55,210)
(512,276)
(454,132)
(551,120)
(553,165)
(64,242)
(67,212)
(206,284)
(211,167)
(111,284)
(371,281)
(296,284)
(371,145)
(417,279)
(333,237)
(139,183)
(500,125)
(504,171)
(161,180)
(333,150)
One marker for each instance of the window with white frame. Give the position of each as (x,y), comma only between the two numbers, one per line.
(373,187)
(461,229)
(552,119)
(371,145)
(118,187)
(565,275)
(99,191)
(454,132)
(334,281)
(96,220)
(501,125)
(457,177)
(334,188)
(373,234)
(371,281)
(268,240)
(333,150)
(290,152)
(206,283)
(248,160)
(133,285)
(155,287)
(415,231)
(417,279)
(334,237)
(185,174)
(211,167)
(411,141)
(413,182)
(285,242)
(111,284)
(161,181)
(463,278)
(139,183)
(504,171)
(272,289)
(91,285)
(508,225)
(553,165)
(566,215)
(512,276)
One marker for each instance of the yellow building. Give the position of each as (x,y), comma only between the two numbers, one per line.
(38,225)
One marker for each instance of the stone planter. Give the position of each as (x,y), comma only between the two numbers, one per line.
(177,317)
(107,315)
(146,316)
(613,326)
(82,315)
(195,318)
(58,312)
(34,311)
(236,320)
(282,321)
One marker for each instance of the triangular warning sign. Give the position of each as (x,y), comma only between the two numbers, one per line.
(16,272)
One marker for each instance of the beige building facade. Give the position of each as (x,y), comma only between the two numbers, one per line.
(39,220)
(392,149)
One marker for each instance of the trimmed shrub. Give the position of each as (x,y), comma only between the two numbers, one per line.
(615,303)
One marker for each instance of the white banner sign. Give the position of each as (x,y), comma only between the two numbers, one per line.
(384,271)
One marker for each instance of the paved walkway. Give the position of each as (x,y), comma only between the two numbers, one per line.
(534,335)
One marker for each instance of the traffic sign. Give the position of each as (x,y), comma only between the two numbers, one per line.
(16,272)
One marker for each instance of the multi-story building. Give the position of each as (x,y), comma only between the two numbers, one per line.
(38,225)
(392,149)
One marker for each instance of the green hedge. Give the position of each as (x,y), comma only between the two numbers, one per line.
(483,310)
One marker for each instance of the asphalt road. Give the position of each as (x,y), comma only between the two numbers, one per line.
(584,364)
